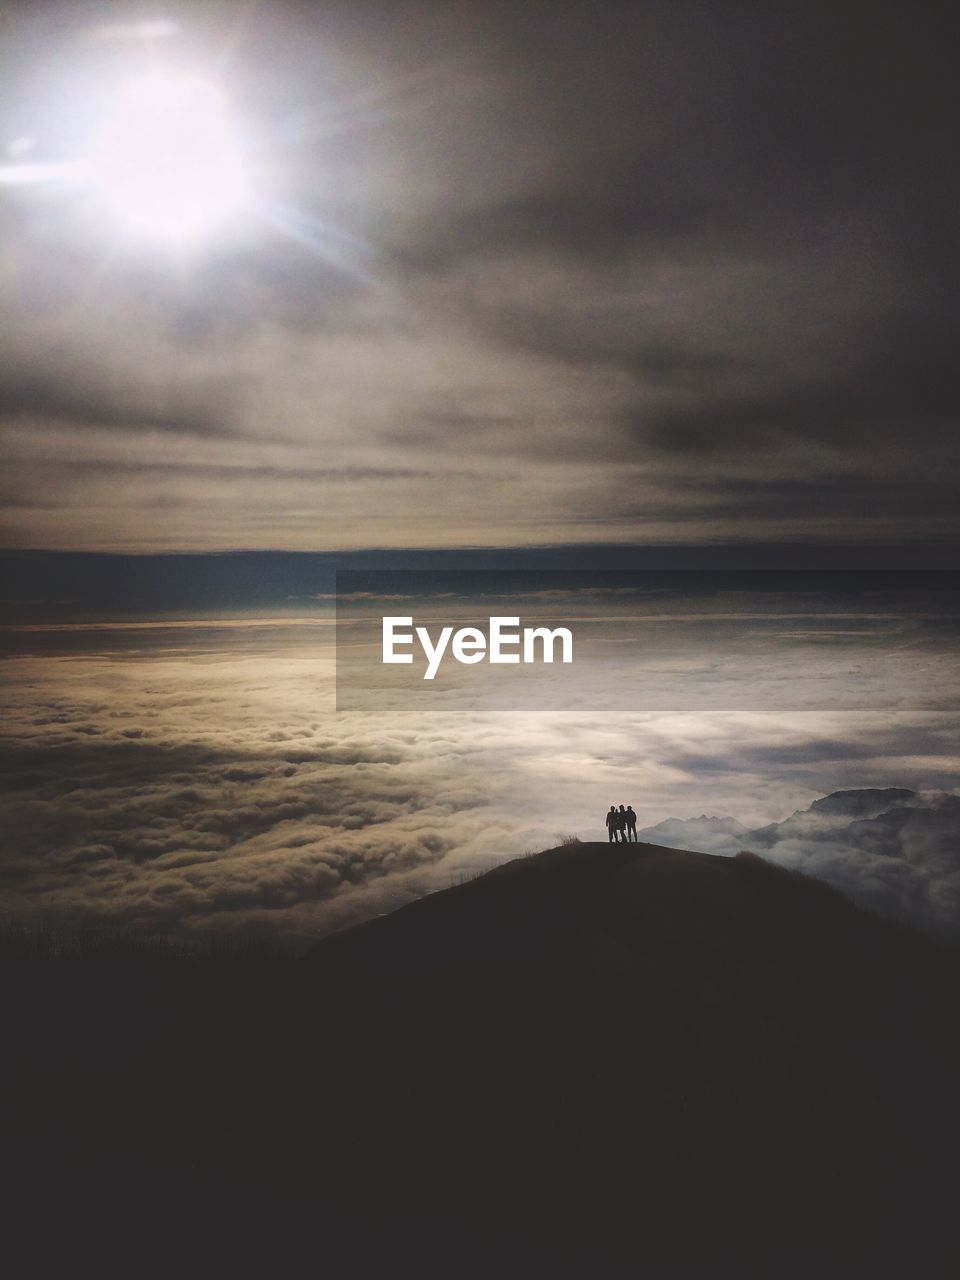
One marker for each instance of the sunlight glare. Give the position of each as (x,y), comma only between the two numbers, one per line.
(167,162)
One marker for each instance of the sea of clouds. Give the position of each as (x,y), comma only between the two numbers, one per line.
(196,777)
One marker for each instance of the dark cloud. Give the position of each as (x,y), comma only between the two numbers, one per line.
(533,274)
(899,387)
(832,495)
(56,395)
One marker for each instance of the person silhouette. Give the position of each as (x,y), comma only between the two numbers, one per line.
(631,823)
(613,825)
(622,823)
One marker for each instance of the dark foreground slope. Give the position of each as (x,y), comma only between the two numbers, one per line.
(592,1061)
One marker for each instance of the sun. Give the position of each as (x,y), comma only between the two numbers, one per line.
(152,162)
(166,161)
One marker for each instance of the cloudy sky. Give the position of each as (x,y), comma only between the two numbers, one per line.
(612,286)
(511,274)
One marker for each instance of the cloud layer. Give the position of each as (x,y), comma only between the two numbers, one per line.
(890,849)
(188,778)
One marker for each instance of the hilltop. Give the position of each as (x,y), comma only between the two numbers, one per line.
(597,908)
(593,1059)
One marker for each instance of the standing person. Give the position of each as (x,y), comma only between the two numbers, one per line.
(622,824)
(613,820)
(631,823)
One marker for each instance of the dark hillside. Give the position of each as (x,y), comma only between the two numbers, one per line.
(586,1062)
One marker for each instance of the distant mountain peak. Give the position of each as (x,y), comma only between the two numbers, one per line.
(891,849)
(862,802)
(710,833)
(715,821)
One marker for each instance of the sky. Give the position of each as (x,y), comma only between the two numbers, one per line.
(571,287)
(512,275)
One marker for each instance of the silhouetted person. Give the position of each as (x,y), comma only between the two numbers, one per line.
(613,825)
(631,823)
(622,823)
